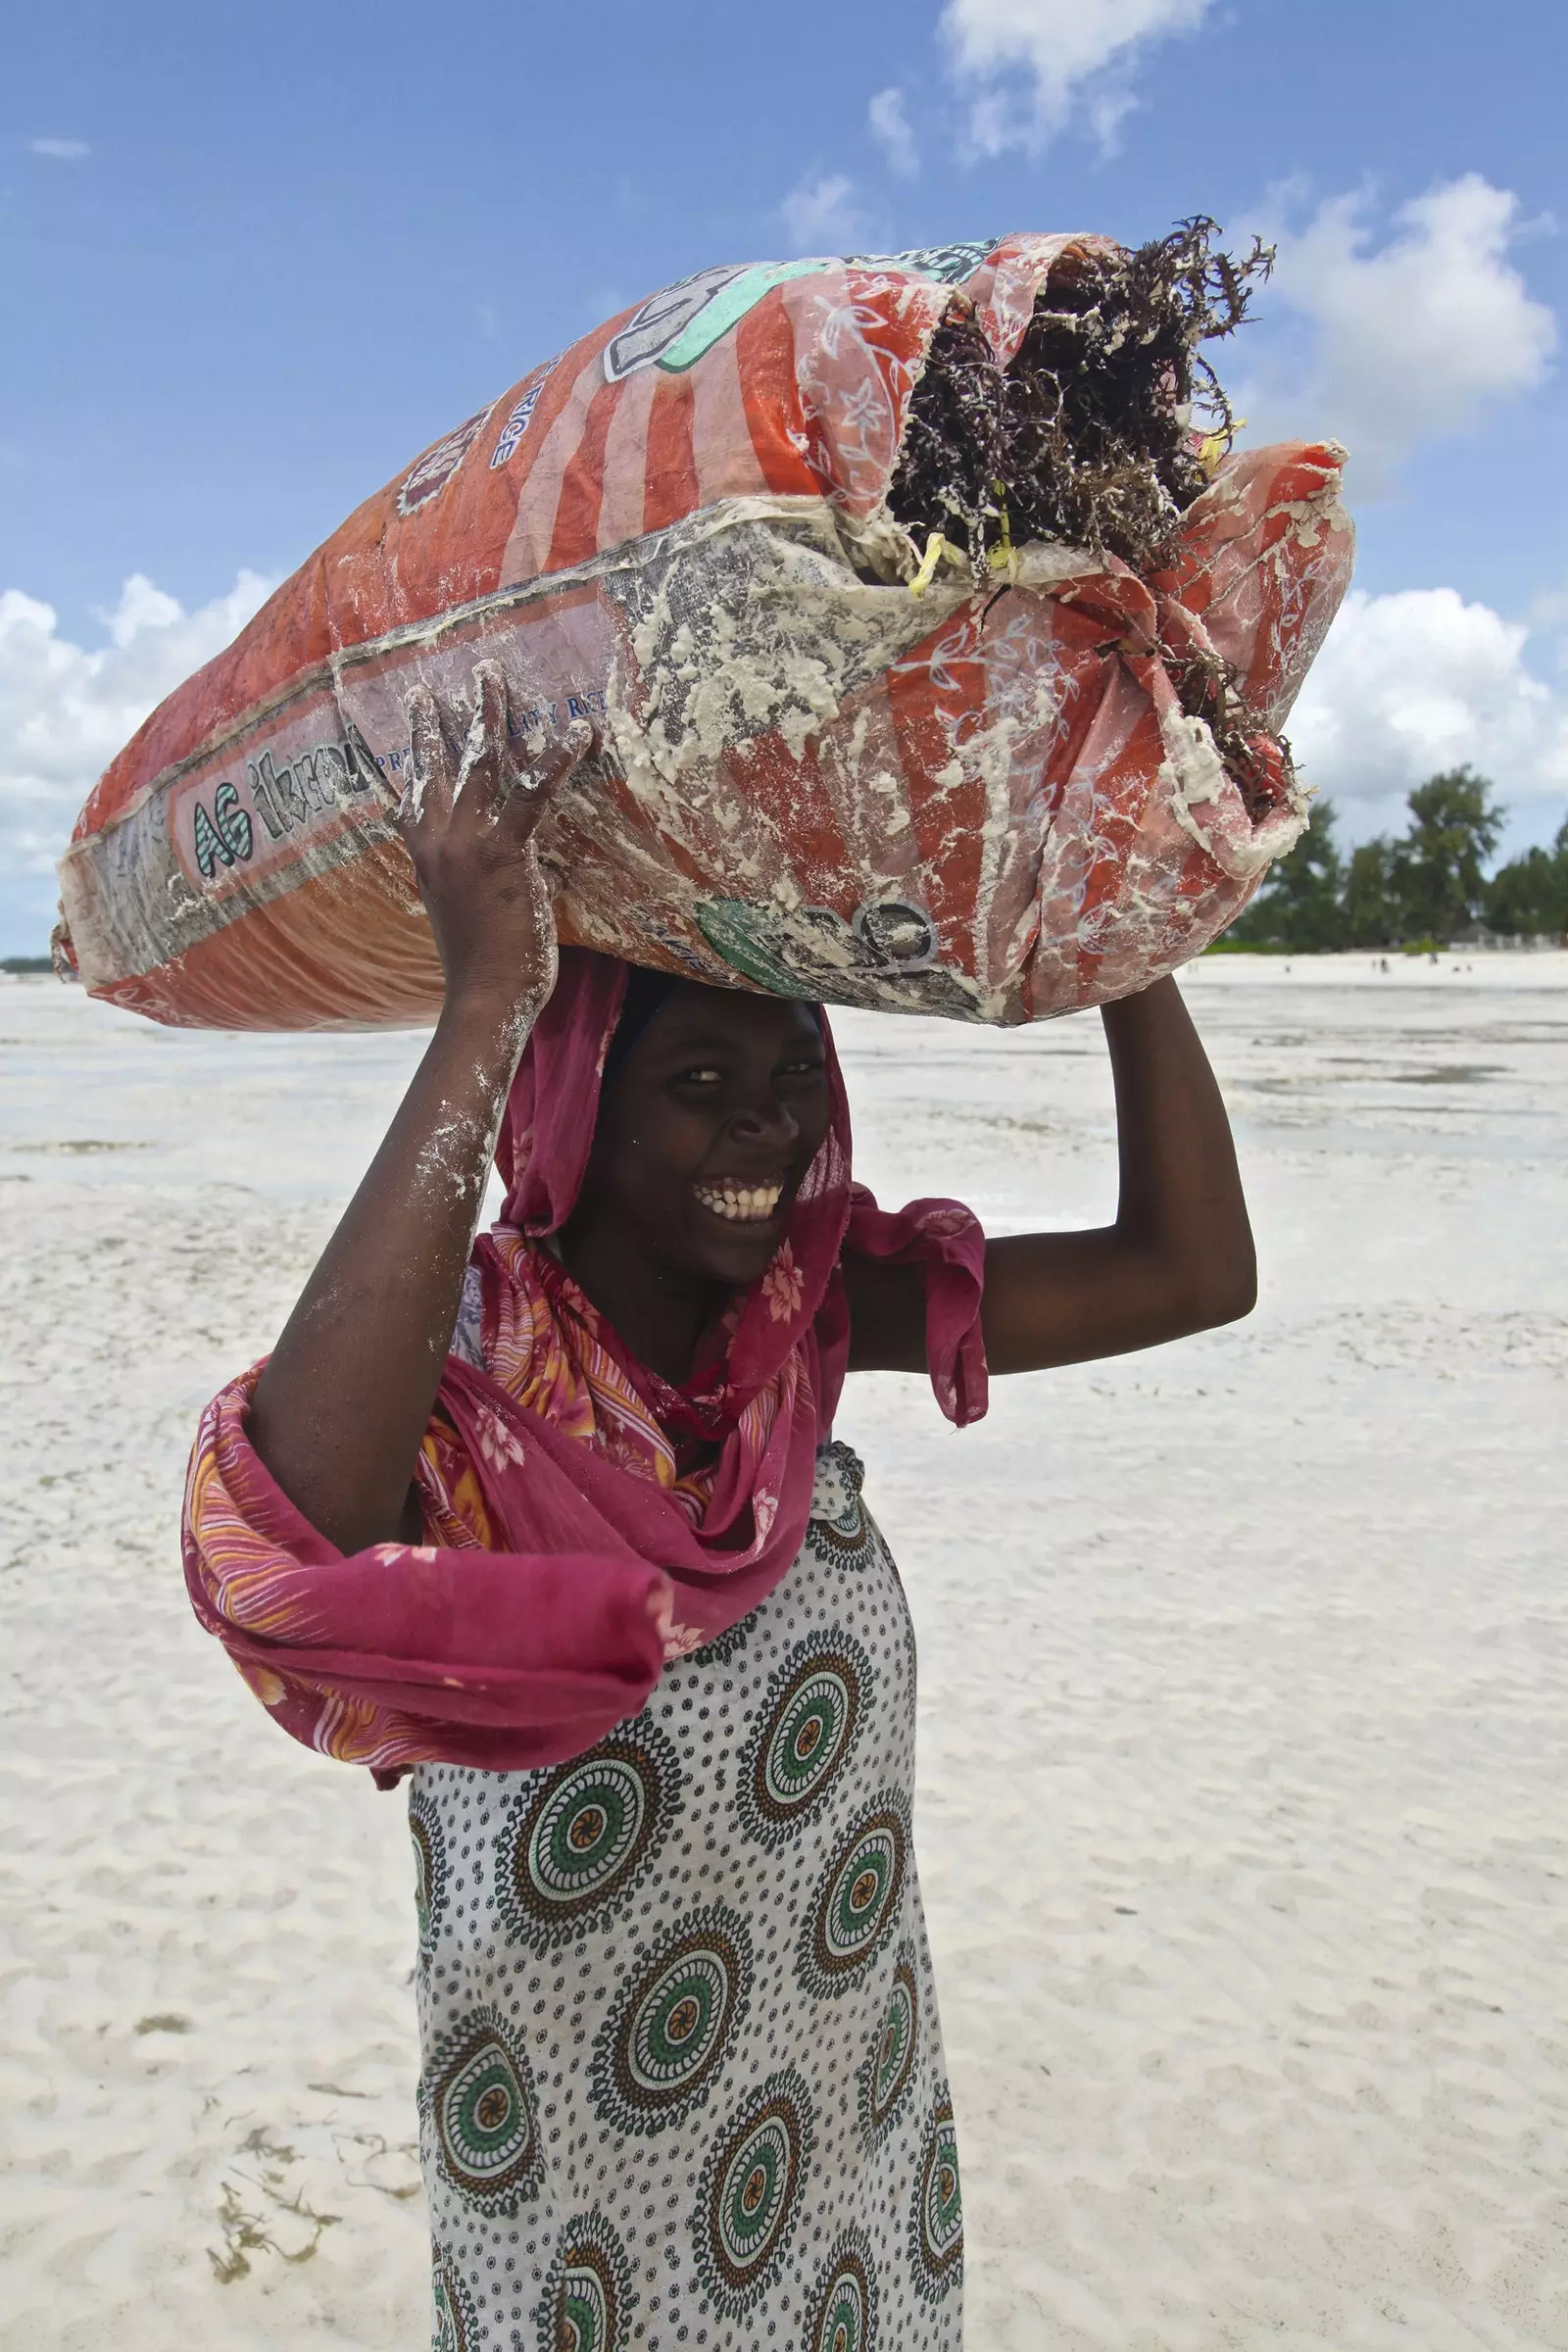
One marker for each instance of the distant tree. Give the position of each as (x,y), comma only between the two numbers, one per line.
(1427,884)
(1373,910)
(1298,907)
(1436,870)
(1529,896)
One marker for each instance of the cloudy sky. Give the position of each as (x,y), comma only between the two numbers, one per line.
(260,254)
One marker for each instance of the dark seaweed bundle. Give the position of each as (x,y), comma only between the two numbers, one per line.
(1206,688)
(949,472)
(1091,435)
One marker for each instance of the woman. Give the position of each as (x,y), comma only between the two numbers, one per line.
(557,1520)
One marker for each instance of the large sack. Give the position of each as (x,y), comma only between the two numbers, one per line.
(982,793)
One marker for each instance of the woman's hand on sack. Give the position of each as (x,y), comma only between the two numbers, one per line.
(339,1412)
(469,818)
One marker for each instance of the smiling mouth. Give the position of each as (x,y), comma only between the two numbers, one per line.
(741,1203)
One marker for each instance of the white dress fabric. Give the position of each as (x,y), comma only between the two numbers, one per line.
(683,2083)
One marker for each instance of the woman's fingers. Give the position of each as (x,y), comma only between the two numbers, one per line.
(484,771)
(469,818)
(580,741)
(537,784)
(485,786)
(431,780)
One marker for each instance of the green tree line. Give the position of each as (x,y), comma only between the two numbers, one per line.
(1429,885)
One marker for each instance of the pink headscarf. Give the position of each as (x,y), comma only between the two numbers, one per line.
(529,1653)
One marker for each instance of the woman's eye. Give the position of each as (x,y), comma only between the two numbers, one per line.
(701,1074)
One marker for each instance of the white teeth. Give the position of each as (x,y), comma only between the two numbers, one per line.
(743,1205)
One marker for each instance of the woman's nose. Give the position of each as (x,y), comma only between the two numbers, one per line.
(769,1118)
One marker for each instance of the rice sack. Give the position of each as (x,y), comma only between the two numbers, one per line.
(938,649)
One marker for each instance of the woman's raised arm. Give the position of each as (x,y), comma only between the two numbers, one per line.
(340,1409)
(1179,1258)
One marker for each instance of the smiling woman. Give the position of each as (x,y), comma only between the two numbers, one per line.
(701,1145)
(557,1520)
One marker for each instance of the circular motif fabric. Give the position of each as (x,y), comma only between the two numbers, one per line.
(809,1725)
(725,1646)
(586,2305)
(659,2051)
(840,1473)
(748,2198)
(889,2066)
(429,1866)
(838,1528)
(453,2322)
(936,2222)
(582,1844)
(479,2097)
(844,2307)
(859,1901)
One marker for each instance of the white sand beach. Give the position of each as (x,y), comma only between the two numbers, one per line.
(1244,1811)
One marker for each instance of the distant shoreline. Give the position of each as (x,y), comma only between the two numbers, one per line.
(1421,951)
(1489,968)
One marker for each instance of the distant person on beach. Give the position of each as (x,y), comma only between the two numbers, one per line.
(556,1523)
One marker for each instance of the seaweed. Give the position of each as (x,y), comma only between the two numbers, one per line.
(1097,434)
(949,471)
(1206,686)
(1094,434)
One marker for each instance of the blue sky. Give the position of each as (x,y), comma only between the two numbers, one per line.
(257,257)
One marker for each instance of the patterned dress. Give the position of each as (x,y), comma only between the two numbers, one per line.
(683,2079)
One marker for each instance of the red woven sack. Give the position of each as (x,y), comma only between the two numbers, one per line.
(826,773)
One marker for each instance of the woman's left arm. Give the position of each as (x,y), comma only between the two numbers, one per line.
(1178,1258)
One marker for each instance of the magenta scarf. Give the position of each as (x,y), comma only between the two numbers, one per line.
(529,1653)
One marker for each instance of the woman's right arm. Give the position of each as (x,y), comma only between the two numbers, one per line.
(339,1412)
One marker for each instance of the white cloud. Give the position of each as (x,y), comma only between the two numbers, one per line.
(65,709)
(1419,680)
(822,215)
(1415,337)
(60,151)
(1067,51)
(890,128)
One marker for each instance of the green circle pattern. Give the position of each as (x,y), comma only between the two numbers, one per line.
(844,2307)
(859,1901)
(479,2100)
(586,2305)
(430,1867)
(724,1647)
(844,1538)
(748,2198)
(889,2066)
(580,1844)
(936,2221)
(658,2052)
(453,2322)
(809,1725)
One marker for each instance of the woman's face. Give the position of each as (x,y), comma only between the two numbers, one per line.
(707,1130)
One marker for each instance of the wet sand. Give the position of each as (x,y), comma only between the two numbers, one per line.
(1243,1668)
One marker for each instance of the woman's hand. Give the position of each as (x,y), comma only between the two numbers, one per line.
(468,820)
